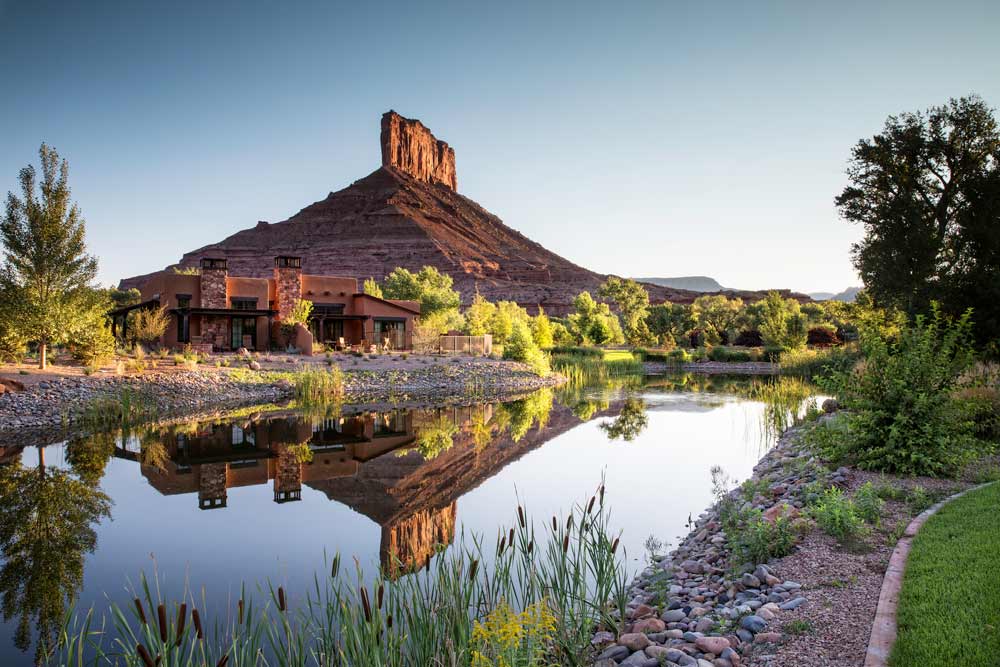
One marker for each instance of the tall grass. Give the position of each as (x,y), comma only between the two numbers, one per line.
(589,370)
(812,363)
(319,386)
(567,571)
(786,401)
(124,409)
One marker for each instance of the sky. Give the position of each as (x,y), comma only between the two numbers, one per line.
(634,138)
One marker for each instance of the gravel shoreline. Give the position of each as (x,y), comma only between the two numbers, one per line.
(46,409)
(693,607)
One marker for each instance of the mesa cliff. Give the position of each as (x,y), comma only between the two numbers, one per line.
(408,213)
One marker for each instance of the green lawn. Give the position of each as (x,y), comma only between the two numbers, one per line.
(618,355)
(949,608)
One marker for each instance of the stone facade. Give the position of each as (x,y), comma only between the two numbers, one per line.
(287,472)
(287,289)
(411,148)
(212,485)
(215,331)
(213,288)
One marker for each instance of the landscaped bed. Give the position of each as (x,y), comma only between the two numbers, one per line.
(949,607)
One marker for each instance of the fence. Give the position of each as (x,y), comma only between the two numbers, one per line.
(470,346)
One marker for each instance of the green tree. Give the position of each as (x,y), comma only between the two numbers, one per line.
(520,346)
(299,314)
(670,322)
(372,288)
(46,528)
(151,323)
(541,330)
(782,323)
(478,316)
(46,267)
(428,286)
(630,422)
(716,315)
(632,300)
(13,339)
(926,190)
(594,322)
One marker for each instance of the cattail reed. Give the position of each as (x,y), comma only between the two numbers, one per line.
(335,568)
(181,620)
(501,545)
(520,515)
(388,621)
(601,492)
(566,544)
(281,598)
(142,613)
(473,569)
(569,522)
(614,545)
(590,505)
(555,526)
(144,655)
(366,604)
(240,605)
(197,623)
(531,546)
(161,613)
(378,596)
(510,539)
(222,661)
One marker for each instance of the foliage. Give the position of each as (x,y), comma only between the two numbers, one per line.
(319,386)
(632,300)
(868,503)
(431,288)
(952,565)
(541,330)
(822,335)
(669,321)
(521,346)
(372,288)
(578,351)
(479,316)
(927,192)
(435,436)
(715,315)
(151,323)
(593,322)
(13,338)
(903,417)
(505,637)
(812,363)
(46,270)
(749,536)
(730,355)
(782,323)
(299,314)
(837,515)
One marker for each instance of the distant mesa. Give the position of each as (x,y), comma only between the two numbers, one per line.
(408,213)
(847,295)
(693,283)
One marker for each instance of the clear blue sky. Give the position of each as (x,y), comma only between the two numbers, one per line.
(635,138)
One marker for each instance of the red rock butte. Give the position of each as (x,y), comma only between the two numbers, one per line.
(408,213)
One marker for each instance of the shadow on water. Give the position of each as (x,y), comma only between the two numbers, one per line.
(403,469)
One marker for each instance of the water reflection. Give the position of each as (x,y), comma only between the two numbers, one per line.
(402,469)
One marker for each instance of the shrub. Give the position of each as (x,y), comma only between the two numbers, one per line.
(578,351)
(868,503)
(903,416)
(749,338)
(679,355)
(772,353)
(822,335)
(755,539)
(837,515)
(319,386)
(521,346)
(729,355)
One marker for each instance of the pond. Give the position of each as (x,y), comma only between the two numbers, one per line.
(272,493)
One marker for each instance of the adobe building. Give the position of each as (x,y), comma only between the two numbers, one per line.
(214,310)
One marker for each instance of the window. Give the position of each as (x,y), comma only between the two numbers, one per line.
(288,262)
(183,300)
(210,263)
(244,303)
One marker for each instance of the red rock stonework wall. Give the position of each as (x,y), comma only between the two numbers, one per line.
(213,481)
(213,288)
(411,148)
(287,289)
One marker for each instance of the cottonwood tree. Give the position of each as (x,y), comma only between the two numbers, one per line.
(430,287)
(46,271)
(632,300)
(927,192)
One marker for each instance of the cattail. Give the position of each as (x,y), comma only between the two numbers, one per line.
(473,569)
(569,522)
(531,545)
(590,505)
(520,515)
(510,540)
(222,661)
(181,620)
(144,654)
(366,604)
(503,543)
(197,623)
(161,613)
(142,613)
(378,596)
(240,605)
(388,621)
(335,568)
(614,545)
(566,544)
(601,491)
(555,526)
(281,598)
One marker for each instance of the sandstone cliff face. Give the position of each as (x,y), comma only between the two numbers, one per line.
(410,147)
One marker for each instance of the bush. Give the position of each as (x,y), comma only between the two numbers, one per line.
(868,503)
(903,417)
(578,351)
(823,335)
(749,338)
(729,355)
(837,515)
(758,540)
(772,353)
(679,355)
(521,346)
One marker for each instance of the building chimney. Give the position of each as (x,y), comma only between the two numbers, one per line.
(287,283)
(213,283)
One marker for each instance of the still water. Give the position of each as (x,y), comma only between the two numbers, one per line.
(272,493)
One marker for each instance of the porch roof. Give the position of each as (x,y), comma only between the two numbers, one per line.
(125,310)
(234,312)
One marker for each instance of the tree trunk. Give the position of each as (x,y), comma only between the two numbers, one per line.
(42,358)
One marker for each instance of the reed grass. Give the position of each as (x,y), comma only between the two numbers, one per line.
(567,577)
(124,409)
(590,370)
(319,386)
